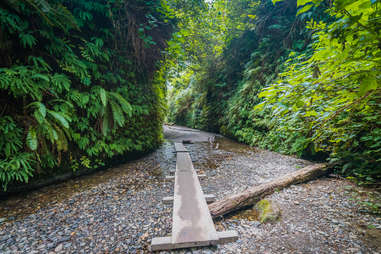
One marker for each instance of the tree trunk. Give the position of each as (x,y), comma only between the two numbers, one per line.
(252,195)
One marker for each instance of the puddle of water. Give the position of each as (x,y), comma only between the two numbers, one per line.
(209,156)
(134,176)
(372,236)
(229,145)
(20,205)
(210,163)
(247,214)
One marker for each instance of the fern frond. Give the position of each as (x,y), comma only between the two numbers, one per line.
(103,96)
(61,142)
(31,139)
(40,108)
(54,14)
(59,118)
(117,113)
(61,82)
(105,124)
(39,62)
(27,40)
(126,106)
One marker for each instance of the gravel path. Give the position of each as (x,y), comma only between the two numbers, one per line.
(120,210)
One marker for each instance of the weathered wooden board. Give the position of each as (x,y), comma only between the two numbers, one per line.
(184,163)
(202,176)
(191,218)
(192,223)
(179,147)
(165,243)
(210,198)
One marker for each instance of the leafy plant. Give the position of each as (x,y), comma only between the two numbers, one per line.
(77,83)
(336,92)
(295,76)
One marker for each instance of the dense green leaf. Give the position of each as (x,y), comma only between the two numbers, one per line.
(304,9)
(59,118)
(103,96)
(31,139)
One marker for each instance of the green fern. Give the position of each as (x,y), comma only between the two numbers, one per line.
(59,118)
(27,40)
(31,139)
(126,106)
(103,97)
(16,168)
(114,108)
(71,88)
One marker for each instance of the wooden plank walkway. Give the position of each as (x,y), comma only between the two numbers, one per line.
(192,223)
(179,147)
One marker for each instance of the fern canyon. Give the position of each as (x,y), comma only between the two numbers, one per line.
(272,107)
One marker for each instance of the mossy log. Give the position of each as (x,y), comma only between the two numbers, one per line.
(254,194)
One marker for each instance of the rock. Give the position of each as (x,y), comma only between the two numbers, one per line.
(58,248)
(42,246)
(3,220)
(256,224)
(267,210)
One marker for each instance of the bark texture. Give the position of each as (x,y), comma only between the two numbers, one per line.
(254,194)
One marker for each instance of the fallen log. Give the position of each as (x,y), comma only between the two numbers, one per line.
(254,194)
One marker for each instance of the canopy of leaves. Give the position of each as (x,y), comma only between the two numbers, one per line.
(295,76)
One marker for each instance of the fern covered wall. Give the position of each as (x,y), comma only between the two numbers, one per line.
(78,83)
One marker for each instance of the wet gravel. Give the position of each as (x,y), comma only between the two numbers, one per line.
(120,210)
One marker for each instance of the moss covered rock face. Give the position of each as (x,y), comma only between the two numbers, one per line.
(267,211)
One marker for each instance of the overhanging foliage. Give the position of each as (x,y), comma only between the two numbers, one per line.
(319,65)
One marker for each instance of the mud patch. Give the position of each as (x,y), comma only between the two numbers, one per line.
(370,235)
